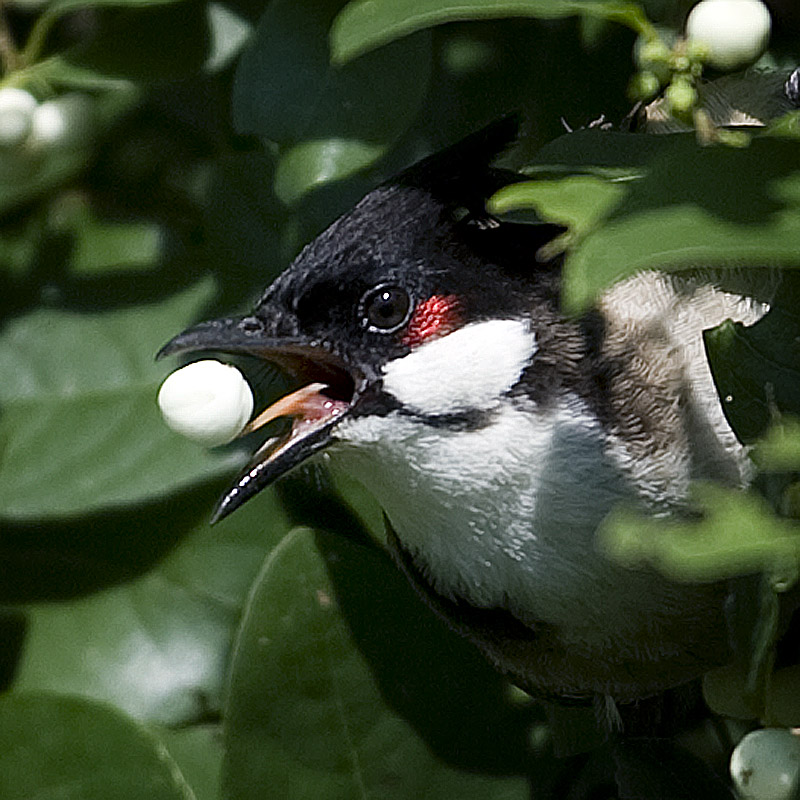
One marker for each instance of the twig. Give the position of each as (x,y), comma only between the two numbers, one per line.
(9,55)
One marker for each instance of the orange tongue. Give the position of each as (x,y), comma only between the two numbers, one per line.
(301,403)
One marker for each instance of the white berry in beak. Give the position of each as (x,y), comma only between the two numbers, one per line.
(207,401)
(736,32)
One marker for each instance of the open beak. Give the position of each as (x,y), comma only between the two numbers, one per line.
(326,395)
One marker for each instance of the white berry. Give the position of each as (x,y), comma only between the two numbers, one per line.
(735,32)
(766,765)
(16,112)
(65,121)
(206,401)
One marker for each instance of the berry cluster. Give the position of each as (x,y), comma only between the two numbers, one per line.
(64,122)
(723,34)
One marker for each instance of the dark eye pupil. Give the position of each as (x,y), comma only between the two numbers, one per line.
(387,307)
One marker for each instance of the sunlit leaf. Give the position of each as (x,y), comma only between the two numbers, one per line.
(736,534)
(577,202)
(315,163)
(229,33)
(780,448)
(693,206)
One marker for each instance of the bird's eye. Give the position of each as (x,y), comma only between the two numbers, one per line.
(385,308)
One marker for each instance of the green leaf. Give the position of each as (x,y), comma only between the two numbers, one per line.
(779,450)
(80,429)
(27,176)
(197,750)
(595,151)
(364,25)
(695,206)
(158,646)
(229,34)
(578,202)
(71,749)
(144,45)
(153,648)
(737,534)
(287,92)
(315,163)
(344,686)
(100,245)
(756,369)
(20,240)
(787,125)
(60,7)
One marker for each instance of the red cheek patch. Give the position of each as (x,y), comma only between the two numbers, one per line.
(437,316)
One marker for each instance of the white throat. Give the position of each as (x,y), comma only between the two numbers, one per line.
(503,515)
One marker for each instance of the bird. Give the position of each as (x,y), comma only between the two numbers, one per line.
(435,365)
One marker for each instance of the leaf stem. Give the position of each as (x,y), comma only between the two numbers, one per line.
(38,36)
(9,55)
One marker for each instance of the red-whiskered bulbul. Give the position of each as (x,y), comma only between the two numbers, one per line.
(437,368)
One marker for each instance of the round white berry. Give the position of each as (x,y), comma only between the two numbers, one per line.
(65,121)
(766,765)
(735,32)
(206,401)
(16,111)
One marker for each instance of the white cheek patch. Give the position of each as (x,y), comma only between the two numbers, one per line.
(467,369)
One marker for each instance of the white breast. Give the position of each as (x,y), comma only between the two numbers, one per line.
(504,515)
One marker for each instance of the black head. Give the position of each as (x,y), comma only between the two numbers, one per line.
(416,259)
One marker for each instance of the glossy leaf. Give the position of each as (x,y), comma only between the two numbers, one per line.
(154,649)
(757,369)
(197,750)
(577,202)
(80,429)
(71,749)
(695,206)
(157,646)
(312,164)
(366,24)
(229,33)
(675,205)
(287,92)
(344,686)
(737,534)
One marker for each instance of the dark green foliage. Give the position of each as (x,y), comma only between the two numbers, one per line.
(281,654)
